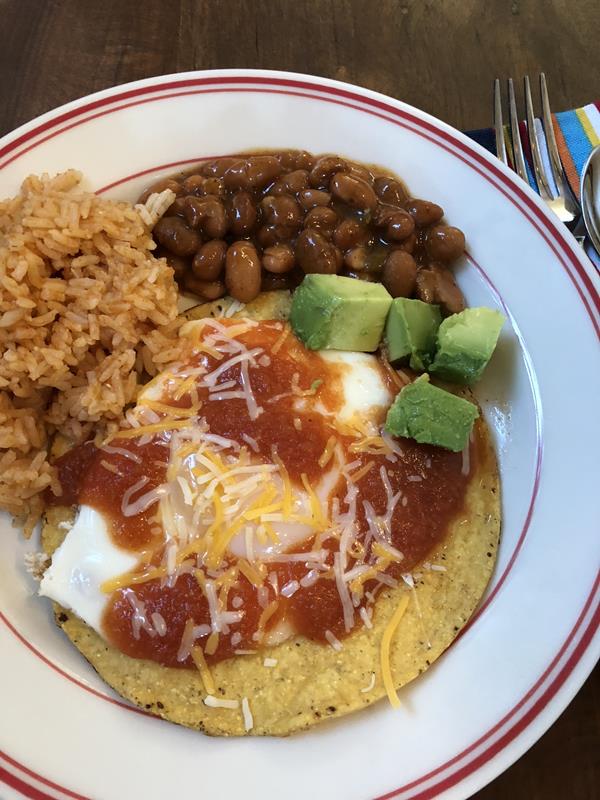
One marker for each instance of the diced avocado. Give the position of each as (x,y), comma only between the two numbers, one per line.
(330,312)
(465,343)
(410,331)
(431,415)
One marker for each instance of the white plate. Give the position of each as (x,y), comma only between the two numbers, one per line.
(64,734)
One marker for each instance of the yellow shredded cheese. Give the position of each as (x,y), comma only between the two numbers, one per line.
(327,453)
(205,674)
(143,430)
(386,640)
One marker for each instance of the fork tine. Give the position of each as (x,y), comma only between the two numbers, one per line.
(538,164)
(498,125)
(555,161)
(514,131)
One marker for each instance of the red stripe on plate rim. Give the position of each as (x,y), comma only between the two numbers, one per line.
(536,216)
(32,791)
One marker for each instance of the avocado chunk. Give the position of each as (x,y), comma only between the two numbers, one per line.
(330,312)
(431,415)
(410,331)
(465,343)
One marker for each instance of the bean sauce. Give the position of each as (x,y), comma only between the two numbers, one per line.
(261,221)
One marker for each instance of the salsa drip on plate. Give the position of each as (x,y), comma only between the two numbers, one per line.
(258,503)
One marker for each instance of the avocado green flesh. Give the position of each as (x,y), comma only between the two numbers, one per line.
(330,312)
(410,332)
(431,415)
(465,343)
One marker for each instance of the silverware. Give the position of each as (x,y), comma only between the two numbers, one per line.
(560,200)
(589,204)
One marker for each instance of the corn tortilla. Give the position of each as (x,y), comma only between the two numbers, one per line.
(312,682)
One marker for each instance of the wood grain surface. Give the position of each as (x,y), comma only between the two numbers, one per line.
(440,55)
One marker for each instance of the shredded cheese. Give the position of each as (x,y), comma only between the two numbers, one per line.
(205,674)
(386,670)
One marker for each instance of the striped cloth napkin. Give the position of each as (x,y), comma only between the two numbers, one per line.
(576,131)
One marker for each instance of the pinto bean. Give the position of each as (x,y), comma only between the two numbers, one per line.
(160,186)
(282,210)
(208,262)
(360,172)
(177,208)
(399,273)
(207,290)
(242,271)
(350,233)
(356,259)
(397,223)
(435,284)
(324,168)
(218,166)
(310,198)
(255,172)
(278,258)
(424,212)
(194,184)
(243,212)
(353,191)
(315,253)
(176,236)
(321,219)
(444,243)
(292,183)
(390,191)
(207,213)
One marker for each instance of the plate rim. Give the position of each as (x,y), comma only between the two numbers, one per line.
(573,673)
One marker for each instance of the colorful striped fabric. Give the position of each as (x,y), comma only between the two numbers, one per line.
(576,131)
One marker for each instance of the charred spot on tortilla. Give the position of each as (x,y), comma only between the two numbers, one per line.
(324,647)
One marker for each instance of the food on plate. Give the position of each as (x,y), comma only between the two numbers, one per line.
(261,221)
(330,312)
(313,530)
(258,513)
(428,414)
(465,343)
(410,332)
(86,311)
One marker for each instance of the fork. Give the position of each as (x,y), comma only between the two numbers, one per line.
(554,190)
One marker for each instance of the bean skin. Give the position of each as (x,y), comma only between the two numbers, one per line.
(208,262)
(242,271)
(243,213)
(321,219)
(397,223)
(207,213)
(315,253)
(207,290)
(324,168)
(176,236)
(350,233)
(278,259)
(255,172)
(353,191)
(435,284)
(282,210)
(444,243)
(291,183)
(390,191)
(310,198)
(424,212)
(399,274)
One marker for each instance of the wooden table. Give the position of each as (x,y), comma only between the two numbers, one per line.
(440,56)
